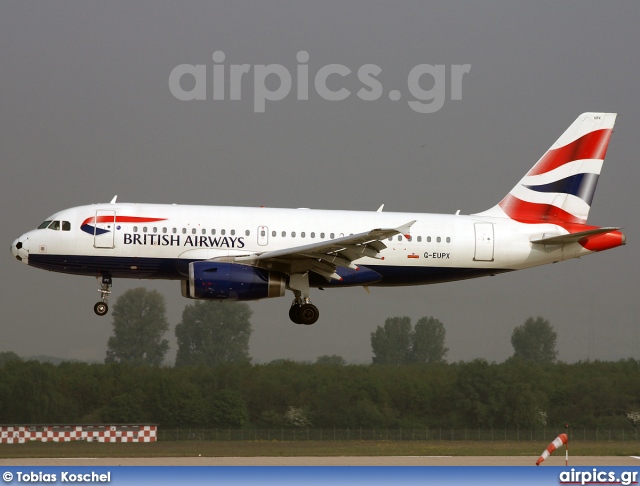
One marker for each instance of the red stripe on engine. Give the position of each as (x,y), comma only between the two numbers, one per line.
(593,145)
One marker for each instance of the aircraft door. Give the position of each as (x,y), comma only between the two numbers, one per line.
(484,242)
(263,235)
(104,229)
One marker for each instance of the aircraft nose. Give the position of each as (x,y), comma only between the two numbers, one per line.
(20,249)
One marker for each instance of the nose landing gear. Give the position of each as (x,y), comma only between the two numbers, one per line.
(102,307)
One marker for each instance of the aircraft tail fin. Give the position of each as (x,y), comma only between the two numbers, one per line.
(561,185)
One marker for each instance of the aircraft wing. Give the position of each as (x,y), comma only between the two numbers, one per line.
(323,257)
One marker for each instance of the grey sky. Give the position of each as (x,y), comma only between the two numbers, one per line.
(86,113)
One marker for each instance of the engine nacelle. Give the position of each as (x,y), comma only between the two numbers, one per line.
(231,281)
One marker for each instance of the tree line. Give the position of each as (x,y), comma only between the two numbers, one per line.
(408,384)
(475,394)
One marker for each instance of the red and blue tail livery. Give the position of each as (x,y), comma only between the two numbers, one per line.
(560,186)
(234,253)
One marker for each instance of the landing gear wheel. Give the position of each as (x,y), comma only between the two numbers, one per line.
(101,308)
(308,314)
(294,313)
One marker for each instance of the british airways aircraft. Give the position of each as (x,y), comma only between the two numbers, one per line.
(233,253)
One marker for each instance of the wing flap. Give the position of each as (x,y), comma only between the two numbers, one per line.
(350,242)
(325,256)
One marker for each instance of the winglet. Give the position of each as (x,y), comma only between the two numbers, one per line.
(405,228)
(380,209)
(113,201)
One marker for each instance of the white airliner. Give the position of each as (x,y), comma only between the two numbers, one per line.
(233,253)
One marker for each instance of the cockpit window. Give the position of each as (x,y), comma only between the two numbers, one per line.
(66,226)
(55,225)
(44,225)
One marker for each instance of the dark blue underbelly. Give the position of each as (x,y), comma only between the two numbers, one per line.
(178,269)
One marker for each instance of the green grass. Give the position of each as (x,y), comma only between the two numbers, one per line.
(309,448)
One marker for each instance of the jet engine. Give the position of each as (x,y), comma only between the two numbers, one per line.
(231,281)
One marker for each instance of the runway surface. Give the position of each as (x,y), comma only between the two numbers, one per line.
(329,461)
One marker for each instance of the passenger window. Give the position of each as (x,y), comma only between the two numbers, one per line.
(419,238)
(222,232)
(164,230)
(213,232)
(448,240)
(313,235)
(55,225)
(174,230)
(438,239)
(333,236)
(233,232)
(66,226)
(263,233)
(399,237)
(184,231)
(155,229)
(428,239)
(284,233)
(204,231)
(321,235)
(144,229)
(293,234)
(273,233)
(193,231)
(302,234)
(135,229)
(247,233)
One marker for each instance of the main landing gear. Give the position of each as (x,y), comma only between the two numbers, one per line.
(101,308)
(302,311)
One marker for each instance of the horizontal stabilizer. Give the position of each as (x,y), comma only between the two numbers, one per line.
(572,237)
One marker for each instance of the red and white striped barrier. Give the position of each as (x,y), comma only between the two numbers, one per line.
(561,439)
(19,434)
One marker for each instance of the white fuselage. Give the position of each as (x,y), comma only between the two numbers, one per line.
(132,245)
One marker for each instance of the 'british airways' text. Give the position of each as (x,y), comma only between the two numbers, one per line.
(176,240)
